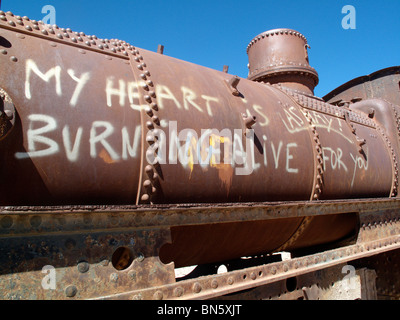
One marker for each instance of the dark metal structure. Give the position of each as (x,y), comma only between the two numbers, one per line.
(120,165)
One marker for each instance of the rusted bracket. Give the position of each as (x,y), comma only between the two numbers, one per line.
(232,85)
(379,233)
(360,141)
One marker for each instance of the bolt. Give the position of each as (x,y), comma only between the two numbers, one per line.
(83,266)
(158,295)
(178,292)
(71,291)
(214,284)
(196,287)
(114,277)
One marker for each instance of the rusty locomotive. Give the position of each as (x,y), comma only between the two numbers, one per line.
(128,163)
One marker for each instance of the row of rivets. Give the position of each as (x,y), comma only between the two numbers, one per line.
(318,180)
(116,46)
(277,32)
(395,180)
(317,105)
(150,184)
(277,269)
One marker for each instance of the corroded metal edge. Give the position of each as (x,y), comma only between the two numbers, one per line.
(16,221)
(217,285)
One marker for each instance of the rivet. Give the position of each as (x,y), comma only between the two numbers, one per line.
(178,291)
(80,39)
(149,125)
(253,276)
(156,120)
(145,197)
(70,291)
(285,268)
(154,106)
(45,32)
(230,281)
(51,31)
(35,221)
(20,22)
(147,98)
(149,170)
(83,266)
(196,287)
(155,176)
(148,111)
(114,277)
(100,46)
(145,86)
(3,18)
(132,275)
(158,295)
(74,40)
(87,43)
(3,51)
(147,184)
(59,36)
(139,66)
(152,94)
(6,222)
(11,23)
(214,284)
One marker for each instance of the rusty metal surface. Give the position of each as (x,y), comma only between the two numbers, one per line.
(92,136)
(387,271)
(84,245)
(226,283)
(280,56)
(383,84)
(327,284)
(137,94)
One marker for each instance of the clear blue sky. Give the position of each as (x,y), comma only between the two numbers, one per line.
(214,33)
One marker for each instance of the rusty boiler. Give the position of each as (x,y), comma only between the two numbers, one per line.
(89,121)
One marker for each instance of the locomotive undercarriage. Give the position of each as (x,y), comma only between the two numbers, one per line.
(112,252)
